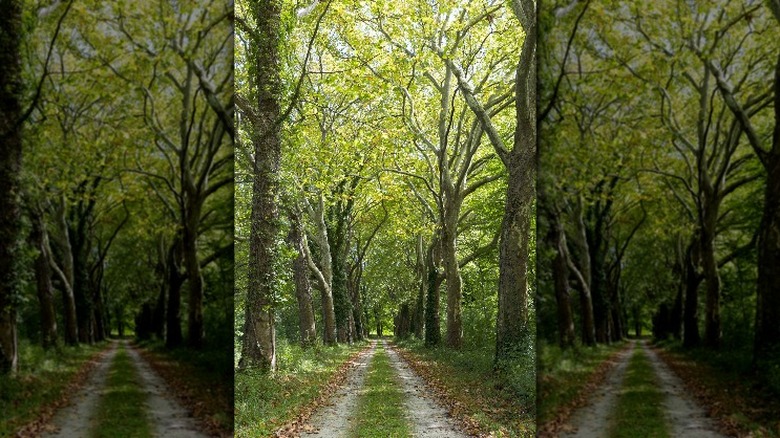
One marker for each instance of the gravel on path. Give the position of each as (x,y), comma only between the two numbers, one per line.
(427,417)
(686,418)
(76,419)
(335,419)
(592,420)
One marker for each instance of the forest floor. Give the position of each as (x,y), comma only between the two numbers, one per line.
(423,415)
(164,415)
(601,417)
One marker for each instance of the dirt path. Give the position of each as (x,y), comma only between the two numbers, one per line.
(76,419)
(169,419)
(335,419)
(684,416)
(428,419)
(592,421)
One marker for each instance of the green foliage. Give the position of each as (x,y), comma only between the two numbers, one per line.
(266,402)
(564,373)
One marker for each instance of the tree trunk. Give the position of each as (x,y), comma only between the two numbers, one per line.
(159,310)
(10,168)
(44,285)
(513,257)
(195,329)
(454,286)
(432,320)
(81,288)
(691,309)
(767,341)
(100,330)
(259,343)
(174,336)
(712,327)
(308,331)
(342,305)
(357,309)
(560,275)
(419,311)
(677,312)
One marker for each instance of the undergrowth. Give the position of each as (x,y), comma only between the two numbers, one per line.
(41,379)
(265,402)
(497,400)
(563,374)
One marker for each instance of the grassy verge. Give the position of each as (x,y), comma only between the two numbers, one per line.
(639,412)
(381,407)
(725,383)
(566,378)
(40,386)
(122,410)
(201,379)
(264,403)
(483,401)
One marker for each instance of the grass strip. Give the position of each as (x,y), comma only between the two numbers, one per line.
(43,383)
(639,412)
(122,408)
(381,408)
(304,379)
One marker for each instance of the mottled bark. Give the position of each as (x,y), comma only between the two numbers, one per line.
(692,280)
(516,226)
(342,305)
(259,342)
(195,329)
(712,326)
(560,273)
(82,293)
(324,272)
(432,320)
(454,284)
(173,334)
(44,284)
(308,332)
(514,248)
